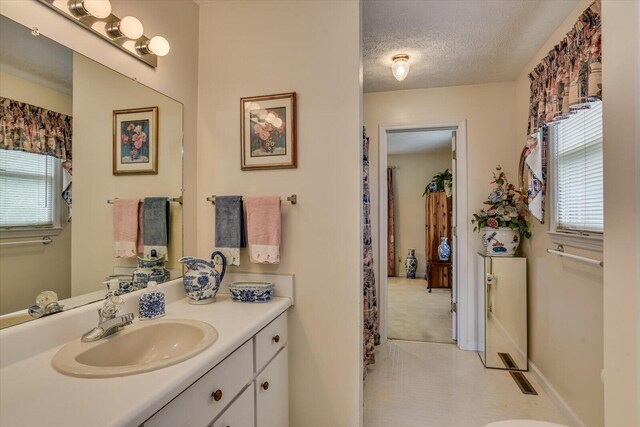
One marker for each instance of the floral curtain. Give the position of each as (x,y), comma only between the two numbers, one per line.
(568,79)
(37,130)
(371,334)
(391,226)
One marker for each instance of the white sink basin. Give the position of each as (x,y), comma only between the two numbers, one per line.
(141,347)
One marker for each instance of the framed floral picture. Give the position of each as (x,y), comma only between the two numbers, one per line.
(268,132)
(135,141)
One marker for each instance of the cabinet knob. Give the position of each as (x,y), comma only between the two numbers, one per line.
(217,395)
(265,385)
(276,339)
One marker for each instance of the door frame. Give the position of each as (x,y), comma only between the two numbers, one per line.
(461,281)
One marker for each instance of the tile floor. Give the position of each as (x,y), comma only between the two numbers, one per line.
(437,385)
(417,315)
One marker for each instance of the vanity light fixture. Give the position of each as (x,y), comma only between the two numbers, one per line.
(98,8)
(127,34)
(400,66)
(129,27)
(158,45)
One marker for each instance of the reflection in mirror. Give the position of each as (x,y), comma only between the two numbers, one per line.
(90,179)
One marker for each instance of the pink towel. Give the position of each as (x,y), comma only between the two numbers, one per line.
(264,229)
(125,227)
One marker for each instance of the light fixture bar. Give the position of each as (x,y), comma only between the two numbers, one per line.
(99,28)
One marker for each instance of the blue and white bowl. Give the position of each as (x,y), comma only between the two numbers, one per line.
(251,291)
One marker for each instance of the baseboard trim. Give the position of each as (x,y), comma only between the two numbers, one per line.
(555,397)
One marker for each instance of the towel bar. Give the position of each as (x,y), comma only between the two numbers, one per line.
(292,198)
(45,241)
(560,252)
(175,199)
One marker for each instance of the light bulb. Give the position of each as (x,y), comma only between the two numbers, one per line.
(98,8)
(131,27)
(400,67)
(159,45)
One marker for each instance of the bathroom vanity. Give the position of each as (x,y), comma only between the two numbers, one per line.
(240,380)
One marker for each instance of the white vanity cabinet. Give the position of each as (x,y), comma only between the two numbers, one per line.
(247,389)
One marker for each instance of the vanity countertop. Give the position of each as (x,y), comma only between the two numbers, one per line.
(31,391)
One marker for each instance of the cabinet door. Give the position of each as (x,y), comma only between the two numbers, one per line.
(272,393)
(240,414)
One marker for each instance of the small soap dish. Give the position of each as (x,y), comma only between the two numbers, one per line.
(251,291)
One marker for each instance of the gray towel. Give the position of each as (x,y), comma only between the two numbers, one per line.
(230,235)
(155,226)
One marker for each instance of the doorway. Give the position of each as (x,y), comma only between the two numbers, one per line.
(410,157)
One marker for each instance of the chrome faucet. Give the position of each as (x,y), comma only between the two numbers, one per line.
(109,322)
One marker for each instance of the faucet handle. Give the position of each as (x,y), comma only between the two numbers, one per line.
(111,307)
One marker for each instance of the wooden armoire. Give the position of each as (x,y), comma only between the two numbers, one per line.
(438,210)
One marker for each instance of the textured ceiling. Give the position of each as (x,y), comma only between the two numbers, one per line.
(37,59)
(419,141)
(455,42)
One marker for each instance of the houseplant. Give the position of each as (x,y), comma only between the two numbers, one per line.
(504,218)
(442,181)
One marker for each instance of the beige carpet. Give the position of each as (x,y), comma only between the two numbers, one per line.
(417,315)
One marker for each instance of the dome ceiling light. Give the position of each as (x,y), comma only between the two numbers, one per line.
(400,67)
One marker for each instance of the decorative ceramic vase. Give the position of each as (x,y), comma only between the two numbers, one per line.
(501,241)
(202,280)
(150,269)
(444,250)
(411,263)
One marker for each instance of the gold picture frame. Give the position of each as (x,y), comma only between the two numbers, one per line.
(268,132)
(135,141)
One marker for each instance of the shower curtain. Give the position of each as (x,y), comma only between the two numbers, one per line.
(370,300)
(391,226)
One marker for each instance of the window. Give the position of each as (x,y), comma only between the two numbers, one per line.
(577,174)
(30,187)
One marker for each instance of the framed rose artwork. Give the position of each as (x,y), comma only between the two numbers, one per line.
(135,141)
(268,132)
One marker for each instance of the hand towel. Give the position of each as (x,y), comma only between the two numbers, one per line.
(139,243)
(536,163)
(155,226)
(264,229)
(125,227)
(230,228)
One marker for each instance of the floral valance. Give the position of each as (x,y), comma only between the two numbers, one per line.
(570,77)
(34,129)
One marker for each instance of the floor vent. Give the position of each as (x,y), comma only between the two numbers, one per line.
(508,361)
(523,383)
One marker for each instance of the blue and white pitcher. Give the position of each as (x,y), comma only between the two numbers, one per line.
(202,280)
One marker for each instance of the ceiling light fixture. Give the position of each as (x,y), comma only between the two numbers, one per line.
(400,66)
(158,45)
(97,8)
(129,27)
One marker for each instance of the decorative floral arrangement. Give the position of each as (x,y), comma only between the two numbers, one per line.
(507,207)
(442,181)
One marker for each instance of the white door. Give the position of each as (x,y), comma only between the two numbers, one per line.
(240,414)
(454,245)
(272,393)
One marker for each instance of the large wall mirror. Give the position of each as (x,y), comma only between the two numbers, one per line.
(75,136)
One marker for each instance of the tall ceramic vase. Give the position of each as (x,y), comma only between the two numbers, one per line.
(444,250)
(412,264)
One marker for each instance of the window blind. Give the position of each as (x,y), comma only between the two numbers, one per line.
(579,167)
(27,189)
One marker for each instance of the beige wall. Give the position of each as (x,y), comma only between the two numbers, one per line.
(98,91)
(176,75)
(489,114)
(565,296)
(413,174)
(313,49)
(20,282)
(621,98)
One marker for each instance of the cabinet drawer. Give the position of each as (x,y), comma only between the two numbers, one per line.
(270,339)
(197,405)
(240,414)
